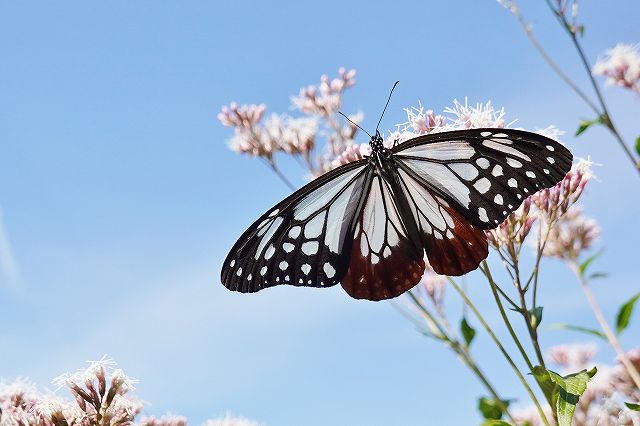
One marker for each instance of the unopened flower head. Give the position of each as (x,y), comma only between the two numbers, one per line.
(571,235)
(621,66)
(326,99)
(555,201)
(511,233)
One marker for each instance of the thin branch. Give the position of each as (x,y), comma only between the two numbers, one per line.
(502,349)
(611,337)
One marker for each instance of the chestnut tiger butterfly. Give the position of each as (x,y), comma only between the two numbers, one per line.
(369,223)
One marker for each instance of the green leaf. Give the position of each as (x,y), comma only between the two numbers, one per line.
(491,408)
(544,380)
(468,332)
(597,275)
(564,392)
(494,422)
(586,330)
(583,267)
(632,406)
(536,316)
(624,314)
(638,145)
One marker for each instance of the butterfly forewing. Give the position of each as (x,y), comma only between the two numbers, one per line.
(300,241)
(485,174)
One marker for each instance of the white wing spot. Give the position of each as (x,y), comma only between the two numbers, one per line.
(512,183)
(364,247)
(546,171)
(273,213)
(482,162)
(482,214)
(526,190)
(530,174)
(465,170)
(386,252)
(300,280)
(283,265)
(286,278)
(504,213)
(263,270)
(550,148)
(519,196)
(482,185)
(249,277)
(498,199)
(314,227)
(288,247)
(514,163)
(294,232)
(328,270)
(485,134)
(551,160)
(270,250)
(310,248)
(239,272)
(374,258)
(449,234)
(233,262)
(497,170)
(510,206)
(501,135)
(306,268)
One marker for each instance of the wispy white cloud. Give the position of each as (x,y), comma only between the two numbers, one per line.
(9,269)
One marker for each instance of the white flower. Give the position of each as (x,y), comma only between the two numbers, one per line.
(621,66)
(230,420)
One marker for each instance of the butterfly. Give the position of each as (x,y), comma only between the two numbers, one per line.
(368,224)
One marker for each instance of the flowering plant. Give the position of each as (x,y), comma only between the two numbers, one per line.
(550,221)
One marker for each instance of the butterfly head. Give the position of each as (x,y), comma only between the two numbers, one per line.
(376,143)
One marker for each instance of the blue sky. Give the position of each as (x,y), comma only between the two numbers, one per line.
(120,198)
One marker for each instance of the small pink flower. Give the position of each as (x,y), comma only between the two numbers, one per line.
(621,66)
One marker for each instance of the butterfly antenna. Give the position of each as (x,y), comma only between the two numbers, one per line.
(355,124)
(386,105)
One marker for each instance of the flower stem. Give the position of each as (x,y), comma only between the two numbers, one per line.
(494,287)
(611,337)
(461,351)
(603,111)
(502,349)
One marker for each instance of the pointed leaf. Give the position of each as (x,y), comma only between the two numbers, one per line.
(491,408)
(580,329)
(544,380)
(494,422)
(624,314)
(632,406)
(587,262)
(568,390)
(468,332)
(536,316)
(596,275)
(638,145)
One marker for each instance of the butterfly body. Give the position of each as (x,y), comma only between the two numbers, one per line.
(368,224)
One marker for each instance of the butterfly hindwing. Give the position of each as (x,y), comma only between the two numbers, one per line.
(385,261)
(452,244)
(484,174)
(300,241)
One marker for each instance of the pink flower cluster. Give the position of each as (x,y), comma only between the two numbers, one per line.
(621,66)
(326,99)
(101,397)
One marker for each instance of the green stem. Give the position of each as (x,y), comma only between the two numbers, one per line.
(461,351)
(494,287)
(502,349)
